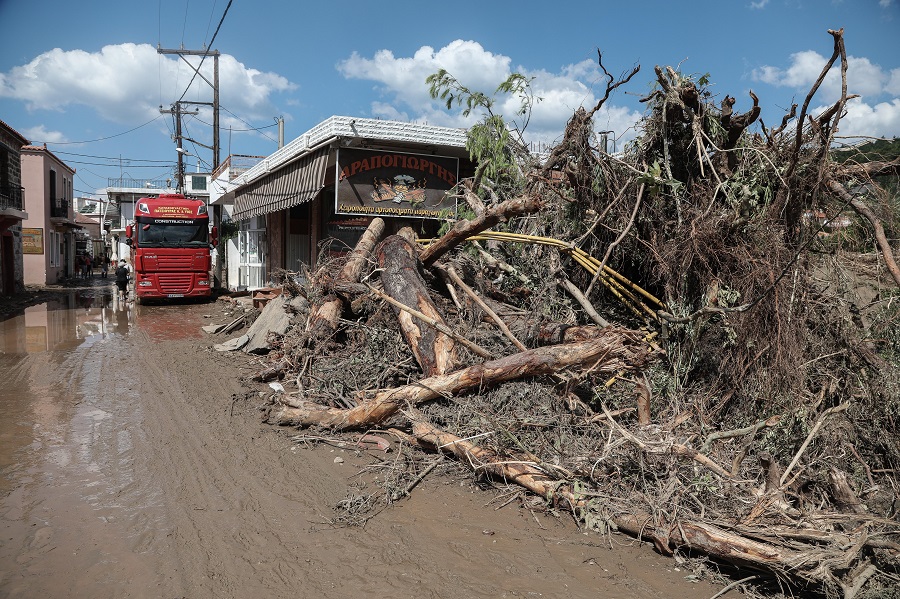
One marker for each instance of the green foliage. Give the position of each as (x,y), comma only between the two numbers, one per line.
(229,229)
(488,141)
(880,149)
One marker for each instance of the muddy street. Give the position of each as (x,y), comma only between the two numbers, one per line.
(133,465)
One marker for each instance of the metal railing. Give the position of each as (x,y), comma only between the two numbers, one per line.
(129,183)
(12,197)
(59,208)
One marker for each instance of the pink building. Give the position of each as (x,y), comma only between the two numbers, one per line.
(48,234)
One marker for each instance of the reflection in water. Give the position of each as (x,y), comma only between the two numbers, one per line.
(80,317)
(167,321)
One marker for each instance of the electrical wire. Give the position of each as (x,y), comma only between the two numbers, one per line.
(108,164)
(252,128)
(197,70)
(187,5)
(209,23)
(248,124)
(70,143)
(114,158)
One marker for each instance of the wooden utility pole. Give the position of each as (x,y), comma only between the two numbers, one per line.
(177,111)
(215,210)
(214,84)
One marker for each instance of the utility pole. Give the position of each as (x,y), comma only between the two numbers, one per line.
(215,211)
(177,111)
(214,84)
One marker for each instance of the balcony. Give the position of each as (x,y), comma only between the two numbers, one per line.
(12,198)
(59,208)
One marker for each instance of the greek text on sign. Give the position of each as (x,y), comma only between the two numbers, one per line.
(395,184)
(172,211)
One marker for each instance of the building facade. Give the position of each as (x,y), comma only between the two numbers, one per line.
(313,198)
(48,234)
(12,211)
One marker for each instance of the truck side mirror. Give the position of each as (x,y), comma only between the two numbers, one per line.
(128,232)
(214,236)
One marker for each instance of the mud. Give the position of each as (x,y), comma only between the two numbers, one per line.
(134,466)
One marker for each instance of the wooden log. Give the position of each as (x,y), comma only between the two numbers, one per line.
(524,473)
(451,272)
(466,228)
(718,542)
(323,319)
(617,349)
(805,566)
(434,351)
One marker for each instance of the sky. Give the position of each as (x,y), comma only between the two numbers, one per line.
(86,78)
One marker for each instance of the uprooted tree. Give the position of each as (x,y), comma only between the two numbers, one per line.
(672,341)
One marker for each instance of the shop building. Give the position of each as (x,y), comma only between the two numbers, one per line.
(314,197)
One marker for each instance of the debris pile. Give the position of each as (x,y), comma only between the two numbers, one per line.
(662,342)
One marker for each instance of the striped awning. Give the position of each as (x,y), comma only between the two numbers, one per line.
(289,186)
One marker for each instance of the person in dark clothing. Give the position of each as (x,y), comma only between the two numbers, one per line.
(122,279)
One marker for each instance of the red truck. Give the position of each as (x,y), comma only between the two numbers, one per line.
(170,247)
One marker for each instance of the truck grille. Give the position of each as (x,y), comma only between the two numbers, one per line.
(175,283)
(171,262)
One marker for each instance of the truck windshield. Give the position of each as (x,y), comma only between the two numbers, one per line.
(172,235)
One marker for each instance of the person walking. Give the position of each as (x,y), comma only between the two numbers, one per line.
(122,279)
(104,266)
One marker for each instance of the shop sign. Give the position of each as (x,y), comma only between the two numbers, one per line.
(32,241)
(380,183)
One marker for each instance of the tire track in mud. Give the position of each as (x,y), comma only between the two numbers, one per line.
(76,517)
(233,532)
(145,478)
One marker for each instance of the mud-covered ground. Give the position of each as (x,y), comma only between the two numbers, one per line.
(134,464)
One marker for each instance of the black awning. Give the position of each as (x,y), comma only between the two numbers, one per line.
(294,184)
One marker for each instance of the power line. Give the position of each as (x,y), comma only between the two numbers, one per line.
(211,12)
(111,164)
(70,143)
(249,125)
(184,25)
(197,70)
(252,128)
(115,158)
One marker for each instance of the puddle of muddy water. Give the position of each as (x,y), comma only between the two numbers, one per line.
(66,322)
(88,315)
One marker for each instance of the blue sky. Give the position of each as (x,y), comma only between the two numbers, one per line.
(86,78)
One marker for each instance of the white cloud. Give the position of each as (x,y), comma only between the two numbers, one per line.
(893,85)
(880,120)
(123,83)
(467,61)
(759,5)
(40,134)
(402,83)
(863,76)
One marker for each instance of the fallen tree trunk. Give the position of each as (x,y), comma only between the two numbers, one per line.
(323,319)
(615,350)
(523,473)
(863,209)
(433,350)
(466,228)
(818,562)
